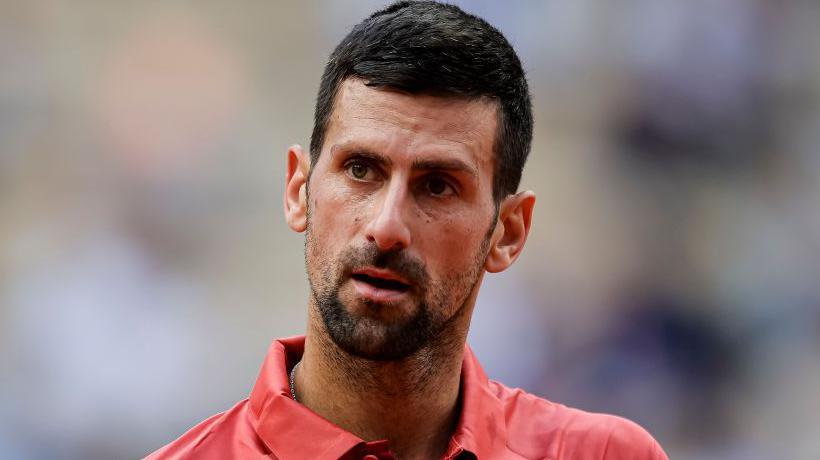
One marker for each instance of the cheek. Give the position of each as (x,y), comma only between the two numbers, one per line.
(454,246)
(335,213)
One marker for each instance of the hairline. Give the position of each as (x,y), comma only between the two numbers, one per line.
(499,120)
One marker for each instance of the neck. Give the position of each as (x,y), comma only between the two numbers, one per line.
(412,402)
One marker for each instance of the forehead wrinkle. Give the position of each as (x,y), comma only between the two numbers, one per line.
(466,129)
(429,109)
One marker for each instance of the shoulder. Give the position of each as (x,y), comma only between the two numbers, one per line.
(540,428)
(224,435)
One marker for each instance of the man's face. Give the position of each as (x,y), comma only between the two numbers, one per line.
(400,215)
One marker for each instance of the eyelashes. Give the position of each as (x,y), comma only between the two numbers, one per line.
(434,183)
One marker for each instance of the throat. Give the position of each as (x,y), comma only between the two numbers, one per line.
(413,403)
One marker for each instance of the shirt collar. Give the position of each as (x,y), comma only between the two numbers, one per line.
(282,423)
(482,427)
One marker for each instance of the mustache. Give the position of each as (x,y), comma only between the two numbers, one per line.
(398,261)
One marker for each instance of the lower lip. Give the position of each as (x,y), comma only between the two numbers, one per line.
(375,294)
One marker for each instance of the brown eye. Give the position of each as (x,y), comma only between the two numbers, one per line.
(358,170)
(438,186)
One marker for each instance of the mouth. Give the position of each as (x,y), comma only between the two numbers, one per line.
(380,285)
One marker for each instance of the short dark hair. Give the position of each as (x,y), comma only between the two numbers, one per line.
(424,47)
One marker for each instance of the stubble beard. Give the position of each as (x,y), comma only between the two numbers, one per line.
(368,337)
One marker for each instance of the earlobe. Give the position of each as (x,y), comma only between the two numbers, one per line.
(511,231)
(298,168)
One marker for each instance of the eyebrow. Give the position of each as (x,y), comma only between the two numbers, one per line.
(371,155)
(444,164)
(424,164)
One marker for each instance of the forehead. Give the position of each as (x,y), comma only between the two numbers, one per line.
(408,125)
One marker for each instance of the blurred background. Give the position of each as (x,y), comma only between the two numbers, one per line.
(671,276)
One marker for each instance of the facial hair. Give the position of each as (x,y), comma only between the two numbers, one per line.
(375,339)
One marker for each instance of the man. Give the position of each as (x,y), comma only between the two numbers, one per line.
(407,196)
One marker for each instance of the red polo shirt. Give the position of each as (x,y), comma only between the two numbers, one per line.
(496,423)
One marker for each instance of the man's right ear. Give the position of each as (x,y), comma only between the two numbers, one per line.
(296,188)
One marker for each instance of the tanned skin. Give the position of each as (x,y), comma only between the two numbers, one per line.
(410,175)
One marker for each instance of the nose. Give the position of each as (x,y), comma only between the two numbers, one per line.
(388,225)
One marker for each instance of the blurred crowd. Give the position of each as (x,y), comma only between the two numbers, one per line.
(671,276)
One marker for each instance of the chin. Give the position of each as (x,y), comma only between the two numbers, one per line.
(369,331)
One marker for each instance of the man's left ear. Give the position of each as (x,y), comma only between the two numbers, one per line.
(511,230)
